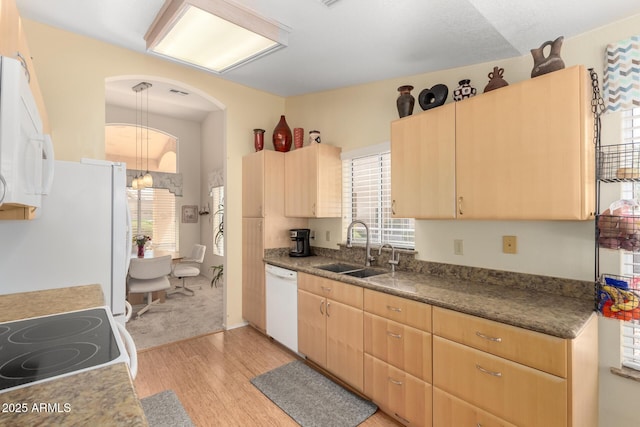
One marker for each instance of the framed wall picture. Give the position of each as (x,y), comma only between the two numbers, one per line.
(189,213)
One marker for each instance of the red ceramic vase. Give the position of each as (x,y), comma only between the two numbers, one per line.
(282,138)
(140,251)
(298,137)
(258,139)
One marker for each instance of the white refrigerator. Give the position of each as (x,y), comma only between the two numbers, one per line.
(80,236)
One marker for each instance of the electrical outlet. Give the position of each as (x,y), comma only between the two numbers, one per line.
(509,245)
(457,247)
(312,234)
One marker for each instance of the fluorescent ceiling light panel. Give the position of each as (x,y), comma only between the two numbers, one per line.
(215,35)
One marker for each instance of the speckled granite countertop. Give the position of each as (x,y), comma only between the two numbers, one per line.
(100,397)
(556,315)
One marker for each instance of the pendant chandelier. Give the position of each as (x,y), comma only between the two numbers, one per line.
(142,180)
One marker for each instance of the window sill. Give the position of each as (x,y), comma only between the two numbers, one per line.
(629,373)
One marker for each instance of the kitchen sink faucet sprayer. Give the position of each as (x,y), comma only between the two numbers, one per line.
(393,259)
(368,257)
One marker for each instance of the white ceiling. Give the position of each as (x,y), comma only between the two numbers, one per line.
(355,41)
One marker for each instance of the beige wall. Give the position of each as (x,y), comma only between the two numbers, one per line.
(72,70)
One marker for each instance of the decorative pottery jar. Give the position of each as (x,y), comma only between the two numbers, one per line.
(258,139)
(495,79)
(433,97)
(405,101)
(464,90)
(298,137)
(282,137)
(314,137)
(545,64)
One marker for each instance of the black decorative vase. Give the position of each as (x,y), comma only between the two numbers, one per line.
(433,97)
(405,101)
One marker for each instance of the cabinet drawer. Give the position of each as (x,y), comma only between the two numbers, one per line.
(529,348)
(519,394)
(403,310)
(337,291)
(402,346)
(449,411)
(399,394)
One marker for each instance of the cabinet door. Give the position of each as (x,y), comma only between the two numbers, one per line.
(253,185)
(423,164)
(525,151)
(328,182)
(253,288)
(313,177)
(402,346)
(399,394)
(516,393)
(301,172)
(449,411)
(345,343)
(312,327)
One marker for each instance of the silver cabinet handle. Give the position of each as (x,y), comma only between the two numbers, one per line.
(486,371)
(321,310)
(328,305)
(460,206)
(396,309)
(393,207)
(488,338)
(396,382)
(392,335)
(313,209)
(325,289)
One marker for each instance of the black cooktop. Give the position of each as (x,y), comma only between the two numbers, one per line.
(39,348)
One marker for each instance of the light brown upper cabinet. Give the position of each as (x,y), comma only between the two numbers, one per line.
(263,184)
(423,149)
(313,182)
(526,151)
(522,152)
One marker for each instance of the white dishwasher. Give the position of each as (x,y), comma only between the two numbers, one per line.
(282,305)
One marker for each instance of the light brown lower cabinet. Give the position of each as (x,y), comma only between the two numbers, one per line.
(451,411)
(524,396)
(403,396)
(330,326)
(429,366)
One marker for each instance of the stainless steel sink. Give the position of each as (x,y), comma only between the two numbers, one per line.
(351,270)
(339,267)
(365,272)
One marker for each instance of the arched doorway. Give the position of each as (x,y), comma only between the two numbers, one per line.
(186,129)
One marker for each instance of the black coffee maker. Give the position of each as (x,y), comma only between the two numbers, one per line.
(299,242)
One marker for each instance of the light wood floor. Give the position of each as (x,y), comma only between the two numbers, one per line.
(210,374)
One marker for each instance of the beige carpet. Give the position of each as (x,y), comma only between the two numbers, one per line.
(180,317)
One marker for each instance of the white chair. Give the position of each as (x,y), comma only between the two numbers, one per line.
(148,275)
(189,267)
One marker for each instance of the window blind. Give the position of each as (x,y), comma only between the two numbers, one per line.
(153,213)
(367,197)
(630,339)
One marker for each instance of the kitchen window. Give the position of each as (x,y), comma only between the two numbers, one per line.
(153,213)
(630,339)
(366,184)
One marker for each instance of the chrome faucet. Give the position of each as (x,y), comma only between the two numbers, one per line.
(368,257)
(393,259)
